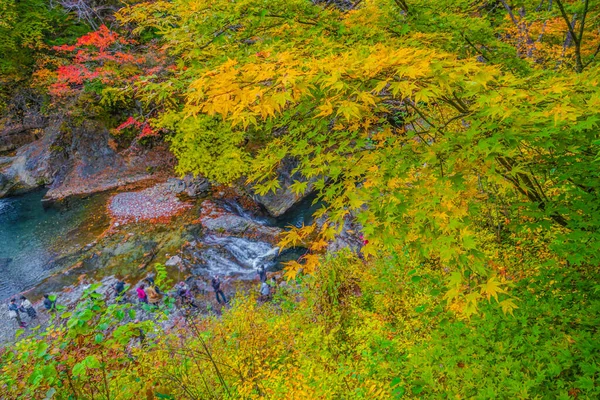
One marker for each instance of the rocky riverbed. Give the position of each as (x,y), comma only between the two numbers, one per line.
(220,232)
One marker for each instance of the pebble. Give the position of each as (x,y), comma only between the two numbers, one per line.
(149,204)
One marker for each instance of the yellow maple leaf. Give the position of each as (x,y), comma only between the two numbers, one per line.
(492,288)
(508,306)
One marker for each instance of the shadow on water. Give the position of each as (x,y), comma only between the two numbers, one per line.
(37,237)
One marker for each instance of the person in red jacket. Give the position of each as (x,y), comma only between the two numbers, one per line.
(142,296)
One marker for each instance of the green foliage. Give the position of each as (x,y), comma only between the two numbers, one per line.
(549,349)
(415,115)
(355,330)
(463,138)
(206,147)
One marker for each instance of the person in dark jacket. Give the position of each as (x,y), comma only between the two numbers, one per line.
(49,304)
(13,312)
(27,307)
(216,284)
(262,273)
(185,295)
(120,288)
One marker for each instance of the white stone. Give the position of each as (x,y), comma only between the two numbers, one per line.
(173,261)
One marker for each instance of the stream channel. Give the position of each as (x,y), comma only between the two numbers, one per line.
(38,240)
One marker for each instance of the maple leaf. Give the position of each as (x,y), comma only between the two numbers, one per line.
(508,306)
(492,288)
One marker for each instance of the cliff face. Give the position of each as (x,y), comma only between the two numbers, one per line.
(72,159)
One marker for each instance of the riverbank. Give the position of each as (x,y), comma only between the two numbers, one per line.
(194,239)
(203,297)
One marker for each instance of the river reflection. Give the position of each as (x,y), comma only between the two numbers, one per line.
(33,237)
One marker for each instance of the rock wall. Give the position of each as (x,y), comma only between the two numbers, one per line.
(75,159)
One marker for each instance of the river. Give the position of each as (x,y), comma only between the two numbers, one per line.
(34,238)
(37,241)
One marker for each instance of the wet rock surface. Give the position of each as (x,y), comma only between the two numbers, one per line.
(190,186)
(33,165)
(94,165)
(217,220)
(69,297)
(228,235)
(77,159)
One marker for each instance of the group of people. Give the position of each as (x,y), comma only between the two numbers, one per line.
(147,293)
(25,307)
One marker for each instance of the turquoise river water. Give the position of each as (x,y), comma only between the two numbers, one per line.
(34,237)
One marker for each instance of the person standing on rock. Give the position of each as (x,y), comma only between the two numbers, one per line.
(262,273)
(185,295)
(27,307)
(216,284)
(49,304)
(265,292)
(120,289)
(13,312)
(152,296)
(152,284)
(142,297)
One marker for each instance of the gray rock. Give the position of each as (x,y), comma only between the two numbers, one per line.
(235,225)
(191,186)
(33,165)
(173,261)
(175,185)
(284,198)
(220,221)
(348,238)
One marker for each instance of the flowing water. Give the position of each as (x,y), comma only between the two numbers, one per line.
(38,241)
(240,257)
(34,238)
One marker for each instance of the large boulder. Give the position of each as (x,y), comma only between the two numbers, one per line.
(284,198)
(190,186)
(77,159)
(95,165)
(216,220)
(34,165)
(22,123)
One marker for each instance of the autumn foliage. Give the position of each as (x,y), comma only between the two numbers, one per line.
(459,138)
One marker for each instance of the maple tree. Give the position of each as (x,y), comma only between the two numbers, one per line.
(461,136)
(28,30)
(374,114)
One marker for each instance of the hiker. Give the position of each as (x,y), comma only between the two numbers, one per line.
(13,312)
(152,296)
(27,307)
(150,281)
(120,289)
(141,293)
(262,273)
(49,304)
(265,291)
(216,284)
(185,295)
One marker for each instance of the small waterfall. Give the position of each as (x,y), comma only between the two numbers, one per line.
(233,255)
(216,262)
